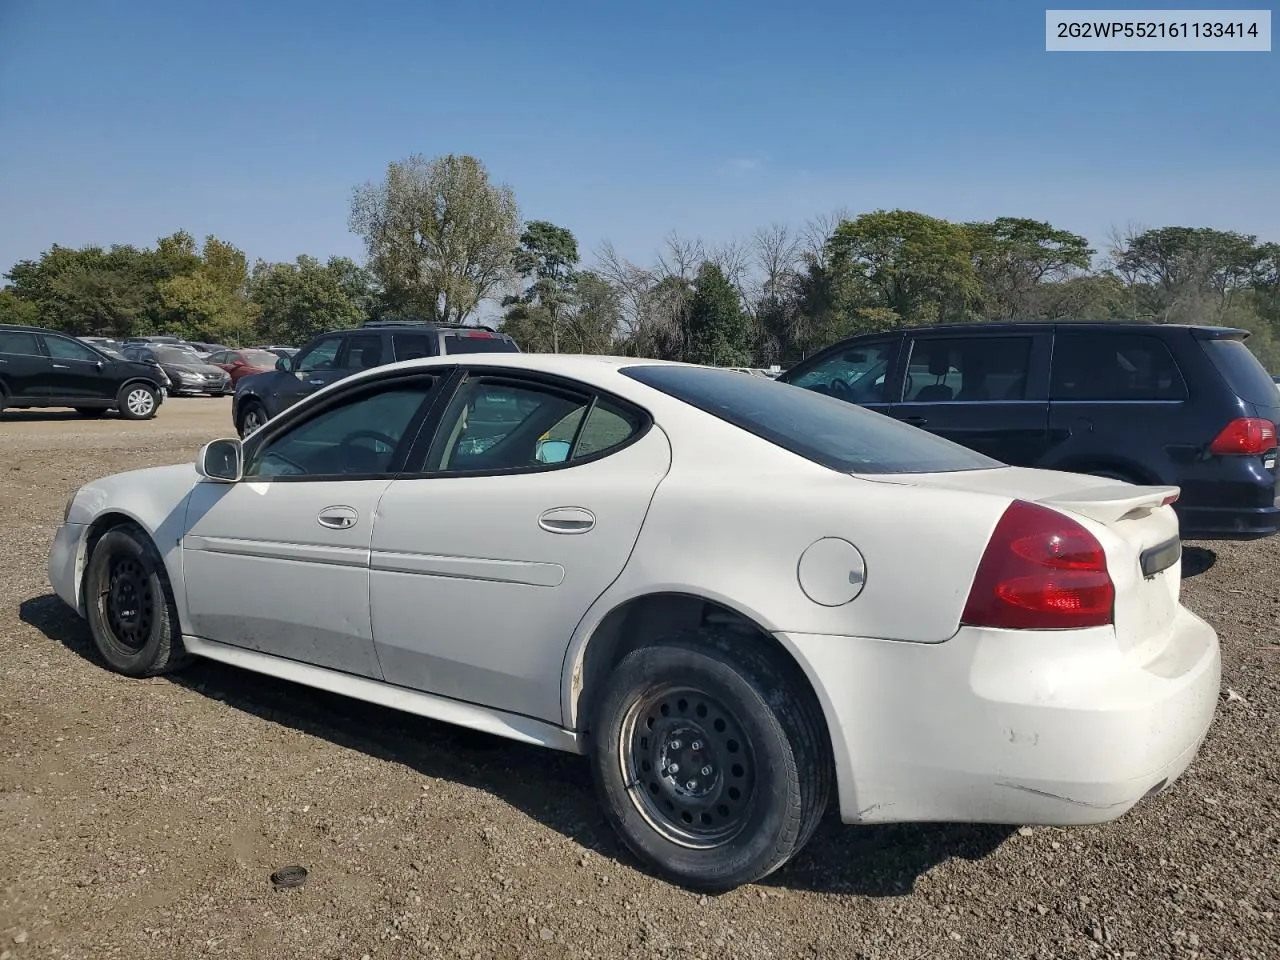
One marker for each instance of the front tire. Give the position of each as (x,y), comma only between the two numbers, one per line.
(253,416)
(711,759)
(137,401)
(130,606)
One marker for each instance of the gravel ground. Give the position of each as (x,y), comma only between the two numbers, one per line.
(142,818)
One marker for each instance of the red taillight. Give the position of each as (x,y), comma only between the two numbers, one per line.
(1248,436)
(1041,571)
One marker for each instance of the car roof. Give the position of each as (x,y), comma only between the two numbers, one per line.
(1000,326)
(23,328)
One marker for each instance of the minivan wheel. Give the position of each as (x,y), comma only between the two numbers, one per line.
(711,760)
(137,401)
(130,606)
(252,417)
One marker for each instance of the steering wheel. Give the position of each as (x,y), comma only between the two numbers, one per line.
(840,389)
(380,441)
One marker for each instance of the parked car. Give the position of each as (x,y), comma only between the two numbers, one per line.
(1187,406)
(243,363)
(104,344)
(206,350)
(733,595)
(44,368)
(333,356)
(189,374)
(280,351)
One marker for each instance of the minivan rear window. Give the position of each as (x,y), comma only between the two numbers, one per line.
(1243,372)
(478,343)
(829,432)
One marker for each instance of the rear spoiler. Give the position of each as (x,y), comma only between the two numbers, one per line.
(1111,503)
(1219,333)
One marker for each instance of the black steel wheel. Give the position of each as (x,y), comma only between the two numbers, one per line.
(711,758)
(129,605)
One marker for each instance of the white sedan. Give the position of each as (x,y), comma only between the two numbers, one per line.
(734,595)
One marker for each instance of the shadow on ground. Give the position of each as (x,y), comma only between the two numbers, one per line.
(1196,560)
(554,788)
(42,415)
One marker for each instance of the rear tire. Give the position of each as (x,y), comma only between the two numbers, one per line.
(711,759)
(137,401)
(130,607)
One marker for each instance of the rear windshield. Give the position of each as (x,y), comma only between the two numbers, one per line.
(472,343)
(1242,371)
(836,434)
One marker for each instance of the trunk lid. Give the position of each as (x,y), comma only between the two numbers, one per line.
(1137,528)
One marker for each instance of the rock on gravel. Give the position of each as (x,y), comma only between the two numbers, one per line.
(142,819)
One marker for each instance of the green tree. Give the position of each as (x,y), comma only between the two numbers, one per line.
(14,309)
(440,237)
(1014,256)
(300,300)
(210,300)
(546,261)
(719,329)
(918,266)
(1187,274)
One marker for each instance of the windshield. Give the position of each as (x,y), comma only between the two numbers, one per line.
(166,354)
(831,432)
(259,358)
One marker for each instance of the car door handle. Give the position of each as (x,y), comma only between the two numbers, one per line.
(338,518)
(61,366)
(316,383)
(567,520)
(915,421)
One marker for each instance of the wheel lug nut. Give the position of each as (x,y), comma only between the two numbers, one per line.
(673,768)
(692,784)
(706,771)
(674,745)
(696,745)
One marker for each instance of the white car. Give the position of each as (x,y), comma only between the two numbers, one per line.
(734,595)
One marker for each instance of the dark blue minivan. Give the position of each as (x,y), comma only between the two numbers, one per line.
(1142,402)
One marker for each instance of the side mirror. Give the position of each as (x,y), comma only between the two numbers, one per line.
(284,365)
(552,451)
(221,461)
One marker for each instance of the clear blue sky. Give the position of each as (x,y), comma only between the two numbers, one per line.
(121,122)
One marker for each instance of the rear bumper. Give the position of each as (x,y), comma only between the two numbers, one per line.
(1228,523)
(1010,727)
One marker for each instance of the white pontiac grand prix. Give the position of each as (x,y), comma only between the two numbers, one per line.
(734,595)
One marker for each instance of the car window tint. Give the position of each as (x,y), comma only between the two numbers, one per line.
(363,352)
(17,342)
(1104,366)
(858,374)
(412,346)
(494,424)
(967,369)
(359,437)
(1242,370)
(481,341)
(606,427)
(842,436)
(322,356)
(64,349)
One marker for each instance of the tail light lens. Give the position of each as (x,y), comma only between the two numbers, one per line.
(1248,436)
(1041,571)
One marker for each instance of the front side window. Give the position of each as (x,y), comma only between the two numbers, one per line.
(17,342)
(967,369)
(363,436)
(1101,366)
(61,348)
(497,424)
(838,435)
(858,374)
(322,356)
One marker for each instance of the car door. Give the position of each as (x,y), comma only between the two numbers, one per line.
(77,373)
(24,368)
(279,562)
(526,507)
(862,372)
(314,367)
(986,391)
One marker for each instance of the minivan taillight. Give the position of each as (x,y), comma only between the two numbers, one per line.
(1248,436)
(1041,571)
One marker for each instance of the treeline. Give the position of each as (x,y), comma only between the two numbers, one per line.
(442,240)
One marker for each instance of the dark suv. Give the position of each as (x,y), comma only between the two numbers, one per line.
(44,368)
(1147,403)
(332,356)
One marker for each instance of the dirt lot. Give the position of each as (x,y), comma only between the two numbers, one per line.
(142,818)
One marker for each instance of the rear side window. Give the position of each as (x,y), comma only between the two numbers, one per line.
(15,341)
(967,369)
(830,432)
(1242,371)
(478,341)
(363,352)
(413,346)
(1102,366)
